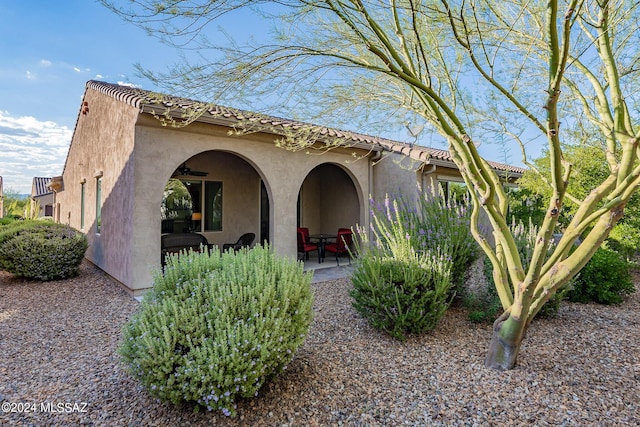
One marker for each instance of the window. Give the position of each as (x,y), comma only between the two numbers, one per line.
(98,204)
(213,206)
(454,190)
(82,195)
(184,209)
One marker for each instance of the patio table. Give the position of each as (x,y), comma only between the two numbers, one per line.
(322,239)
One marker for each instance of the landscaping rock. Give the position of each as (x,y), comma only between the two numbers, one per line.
(58,344)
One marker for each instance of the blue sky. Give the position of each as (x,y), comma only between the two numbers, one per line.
(48,51)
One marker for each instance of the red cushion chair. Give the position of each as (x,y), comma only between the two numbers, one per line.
(305,232)
(342,245)
(304,246)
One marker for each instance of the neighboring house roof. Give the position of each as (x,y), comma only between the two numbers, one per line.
(40,187)
(151,102)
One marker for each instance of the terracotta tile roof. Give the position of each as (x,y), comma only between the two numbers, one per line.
(40,186)
(148,101)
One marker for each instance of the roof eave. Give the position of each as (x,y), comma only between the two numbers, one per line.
(230,122)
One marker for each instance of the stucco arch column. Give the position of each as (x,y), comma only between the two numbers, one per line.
(283,212)
(283,183)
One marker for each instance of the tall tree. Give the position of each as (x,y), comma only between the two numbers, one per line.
(474,70)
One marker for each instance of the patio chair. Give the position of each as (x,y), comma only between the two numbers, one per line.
(342,245)
(304,246)
(244,241)
(174,243)
(305,233)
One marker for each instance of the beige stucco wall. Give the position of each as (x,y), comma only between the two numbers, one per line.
(159,151)
(103,143)
(42,201)
(136,157)
(394,174)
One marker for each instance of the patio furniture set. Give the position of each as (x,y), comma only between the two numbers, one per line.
(173,243)
(338,244)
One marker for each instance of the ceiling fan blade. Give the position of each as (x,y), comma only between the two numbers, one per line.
(184,170)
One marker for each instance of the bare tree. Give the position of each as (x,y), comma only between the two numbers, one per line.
(474,70)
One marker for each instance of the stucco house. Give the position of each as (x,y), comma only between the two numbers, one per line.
(128,178)
(42,196)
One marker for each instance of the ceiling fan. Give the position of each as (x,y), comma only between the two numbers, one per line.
(184,170)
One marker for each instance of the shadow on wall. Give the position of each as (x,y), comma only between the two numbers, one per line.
(111,247)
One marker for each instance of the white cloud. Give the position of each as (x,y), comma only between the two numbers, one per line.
(29,148)
(45,63)
(99,76)
(128,84)
(30,75)
(81,70)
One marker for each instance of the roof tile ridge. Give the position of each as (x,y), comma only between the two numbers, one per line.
(138,98)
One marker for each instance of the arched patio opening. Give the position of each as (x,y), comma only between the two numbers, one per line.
(328,200)
(218,195)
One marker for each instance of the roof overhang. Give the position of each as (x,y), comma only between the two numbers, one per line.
(57,184)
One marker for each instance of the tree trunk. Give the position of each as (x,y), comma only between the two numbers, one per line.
(505,343)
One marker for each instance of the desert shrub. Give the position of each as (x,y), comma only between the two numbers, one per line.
(6,220)
(397,288)
(16,227)
(605,279)
(624,239)
(401,296)
(435,224)
(485,305)
(216,326)
(41,250)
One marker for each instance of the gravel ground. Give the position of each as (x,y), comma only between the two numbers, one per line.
(58,345)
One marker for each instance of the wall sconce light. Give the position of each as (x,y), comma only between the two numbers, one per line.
(196,216)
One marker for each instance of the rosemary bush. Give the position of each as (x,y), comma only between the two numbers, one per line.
(216,326)
(397,288)
(41,250)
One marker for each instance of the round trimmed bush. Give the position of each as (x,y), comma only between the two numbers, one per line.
(41,250)
(402,296)
(216,326)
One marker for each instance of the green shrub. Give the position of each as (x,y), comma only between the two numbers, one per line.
(431,224)
(41,250)
(6,220)
(397,288)
(216,326)
(401,296)
(442,225)
(16,227)
(625,239)
(605,279)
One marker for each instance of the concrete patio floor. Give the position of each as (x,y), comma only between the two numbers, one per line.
(328,269)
